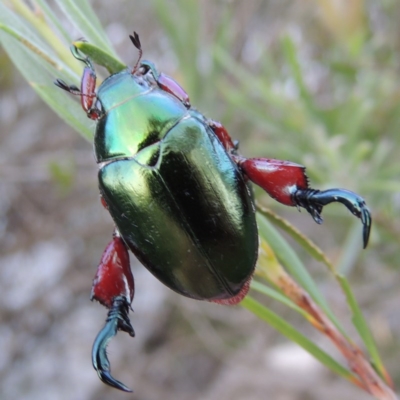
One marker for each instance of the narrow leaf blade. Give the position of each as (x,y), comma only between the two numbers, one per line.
(291,333)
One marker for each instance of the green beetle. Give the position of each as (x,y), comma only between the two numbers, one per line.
(178,192)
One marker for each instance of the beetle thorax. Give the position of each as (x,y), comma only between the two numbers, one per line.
(137,114)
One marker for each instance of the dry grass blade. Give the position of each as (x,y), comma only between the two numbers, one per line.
(369,380)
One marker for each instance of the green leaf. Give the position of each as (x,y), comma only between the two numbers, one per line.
(290,52)
(295,336)
(100,57)
(291,261)
(276,295)
(183,35)
(14,22)
(303,240)
(82,16)
(362,327)
(26,35)
(49,14)
(350,251)
(69,110)
(248,82)
(30,46)
(40,75)
(31,25)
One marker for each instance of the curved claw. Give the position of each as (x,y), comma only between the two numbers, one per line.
(117,320)
(314,201)
(77,54)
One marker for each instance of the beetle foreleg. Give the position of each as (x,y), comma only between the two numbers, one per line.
(87,92)
(287,183)
(113,287)
(166,83)
(171,86)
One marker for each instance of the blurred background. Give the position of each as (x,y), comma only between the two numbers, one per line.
(313,81)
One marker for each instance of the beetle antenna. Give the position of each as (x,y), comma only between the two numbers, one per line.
(68,88)
(136,42)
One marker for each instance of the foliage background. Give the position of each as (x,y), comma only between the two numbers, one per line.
(315,82)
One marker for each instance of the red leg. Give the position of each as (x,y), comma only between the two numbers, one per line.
(88,86)
(287,183)
(114,276)
(165,82)
(113,287)
(280,179)
(172,86)
(88,94)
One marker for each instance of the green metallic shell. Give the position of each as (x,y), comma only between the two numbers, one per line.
(136,116)
(180,202)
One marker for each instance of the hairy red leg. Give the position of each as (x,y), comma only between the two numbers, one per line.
(280,179)
(114,276)
(113,287)
(287,183)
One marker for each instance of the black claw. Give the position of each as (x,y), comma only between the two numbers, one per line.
(77,54)
(367,222)
(117,320)
(106,377)
(315,214)
(314,201)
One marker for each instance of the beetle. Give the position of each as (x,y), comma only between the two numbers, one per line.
(179,193)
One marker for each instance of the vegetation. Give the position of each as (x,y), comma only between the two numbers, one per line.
(325,96)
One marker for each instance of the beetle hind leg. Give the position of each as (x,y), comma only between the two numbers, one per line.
(113,287)
(287,183)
